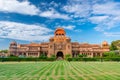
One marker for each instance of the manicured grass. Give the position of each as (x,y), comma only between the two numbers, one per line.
(60,70)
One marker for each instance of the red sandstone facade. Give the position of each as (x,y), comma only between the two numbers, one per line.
(59,45)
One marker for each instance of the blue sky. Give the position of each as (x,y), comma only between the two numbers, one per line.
(91,21)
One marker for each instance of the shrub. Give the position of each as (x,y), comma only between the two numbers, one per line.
(115,59)
(83,59)
(52,56)
(69,59)
(90,59)
(42,56)
(12,56)
(67,56)
(109,54)
(80,55)
(51,59)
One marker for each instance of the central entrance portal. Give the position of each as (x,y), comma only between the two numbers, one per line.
(60,55)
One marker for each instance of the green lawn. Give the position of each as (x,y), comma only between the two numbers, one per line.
(60,70)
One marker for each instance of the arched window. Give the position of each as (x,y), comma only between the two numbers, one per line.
(50,46)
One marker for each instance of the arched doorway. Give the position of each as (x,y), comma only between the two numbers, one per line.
(60,55)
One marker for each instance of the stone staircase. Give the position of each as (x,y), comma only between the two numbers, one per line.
(59,58)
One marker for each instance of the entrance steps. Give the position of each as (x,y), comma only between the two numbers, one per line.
(59,58)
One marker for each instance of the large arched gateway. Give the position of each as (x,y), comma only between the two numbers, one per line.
(59,55)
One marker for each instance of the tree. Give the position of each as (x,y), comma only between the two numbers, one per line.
(109,54)
(52,56)
(4,51)
(80,55)
(43,56)
(113,47)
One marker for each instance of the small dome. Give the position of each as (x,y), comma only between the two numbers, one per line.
(51,39)
(67,38)
(104,43)
(13,43)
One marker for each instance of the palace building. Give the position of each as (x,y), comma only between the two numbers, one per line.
(59,45)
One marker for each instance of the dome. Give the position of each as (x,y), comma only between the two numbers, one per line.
(59,31)
(68,39)
(104,43)
(13,43)
(51,39)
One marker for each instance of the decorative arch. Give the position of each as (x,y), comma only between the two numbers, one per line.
(59,54)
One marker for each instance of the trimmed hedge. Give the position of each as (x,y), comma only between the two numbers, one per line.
(26,59)
(90,59)
(94,59)
(83,59)
(53,59)
(112,59)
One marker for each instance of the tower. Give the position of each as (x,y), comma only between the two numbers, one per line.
(60,44)
(13,48)
(105,46)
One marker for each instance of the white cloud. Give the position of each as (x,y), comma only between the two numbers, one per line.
(54,4)
(69,27)
(15,6)
(53,14)
(102,23)
(79,8)
(78,30)
(110,18)
(20,31)
(98,19)
(108,8)
(112,34)
(107,23)
(105,14)
(26,8)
